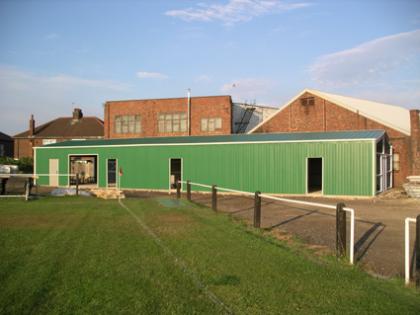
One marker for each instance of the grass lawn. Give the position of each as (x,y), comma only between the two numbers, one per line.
(84,255)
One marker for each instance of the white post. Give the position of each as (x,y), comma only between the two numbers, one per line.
(351,236)
(407,250)
(188,112)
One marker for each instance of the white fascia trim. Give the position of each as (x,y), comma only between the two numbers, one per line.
(203,143)
(352,109)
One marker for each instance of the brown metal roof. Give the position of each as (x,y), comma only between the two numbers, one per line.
(67,127)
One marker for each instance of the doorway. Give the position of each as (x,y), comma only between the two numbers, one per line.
(111,175)
(53,170)
(175,172)
(314,176)
(87,168)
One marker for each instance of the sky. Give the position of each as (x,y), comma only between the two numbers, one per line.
(57,55)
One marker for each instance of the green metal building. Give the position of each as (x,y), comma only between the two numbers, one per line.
(328,163)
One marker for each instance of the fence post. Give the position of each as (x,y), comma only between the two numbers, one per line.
(417,272)
(341,230)
(257,209)
(27,189)
(188,190)
(77,184)
(214,197)
(178,189)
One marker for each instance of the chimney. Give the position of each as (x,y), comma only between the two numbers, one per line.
(77,114)
(415,140)
(31,126)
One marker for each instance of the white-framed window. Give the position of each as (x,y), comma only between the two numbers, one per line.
(48,141)
(211,124)
(128,124)
(172,122)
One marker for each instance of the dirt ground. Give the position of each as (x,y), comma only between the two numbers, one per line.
(379,226)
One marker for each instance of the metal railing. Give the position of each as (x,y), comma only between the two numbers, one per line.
(407,249)
(316,204)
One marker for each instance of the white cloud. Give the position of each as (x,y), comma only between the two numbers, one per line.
(203,78)
(368,62)
(47,97)
(151,75)
(51,36)
(234,11)
(251,90)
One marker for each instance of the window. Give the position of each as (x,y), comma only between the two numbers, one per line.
(172,122)
(127,124)
(48,141)
(211,124)
(2,153)
(307,101)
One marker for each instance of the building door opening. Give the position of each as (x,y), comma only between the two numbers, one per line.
(86,167)
(175,172)
(314,180)
(112,172)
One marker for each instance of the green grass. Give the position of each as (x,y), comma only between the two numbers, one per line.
(83,255)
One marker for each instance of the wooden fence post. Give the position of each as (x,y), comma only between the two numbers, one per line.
(417,272)
(341,230)
(257,209)
(77,184)
(188,190)
(214,197)
(178,189)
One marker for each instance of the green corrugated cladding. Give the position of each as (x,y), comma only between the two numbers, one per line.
(268,167)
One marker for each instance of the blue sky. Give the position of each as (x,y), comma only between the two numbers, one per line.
(55,55)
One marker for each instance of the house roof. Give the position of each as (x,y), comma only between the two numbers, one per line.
(235,138)
(4,137)
(66,127)
(392,116)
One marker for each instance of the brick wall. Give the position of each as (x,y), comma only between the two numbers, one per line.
(415,141)
(327,116)
(149,110)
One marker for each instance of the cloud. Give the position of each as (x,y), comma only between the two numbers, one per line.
(151,75)
(252,90)
(234,11)
(47,97)
(203,78)
(368,62)
(51,36)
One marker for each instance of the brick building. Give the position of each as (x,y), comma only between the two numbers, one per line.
(196,116)
(314,111)
(60,129)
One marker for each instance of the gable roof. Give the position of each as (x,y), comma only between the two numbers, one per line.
(65,127)
(392,116)
(4,137)
(226,139)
